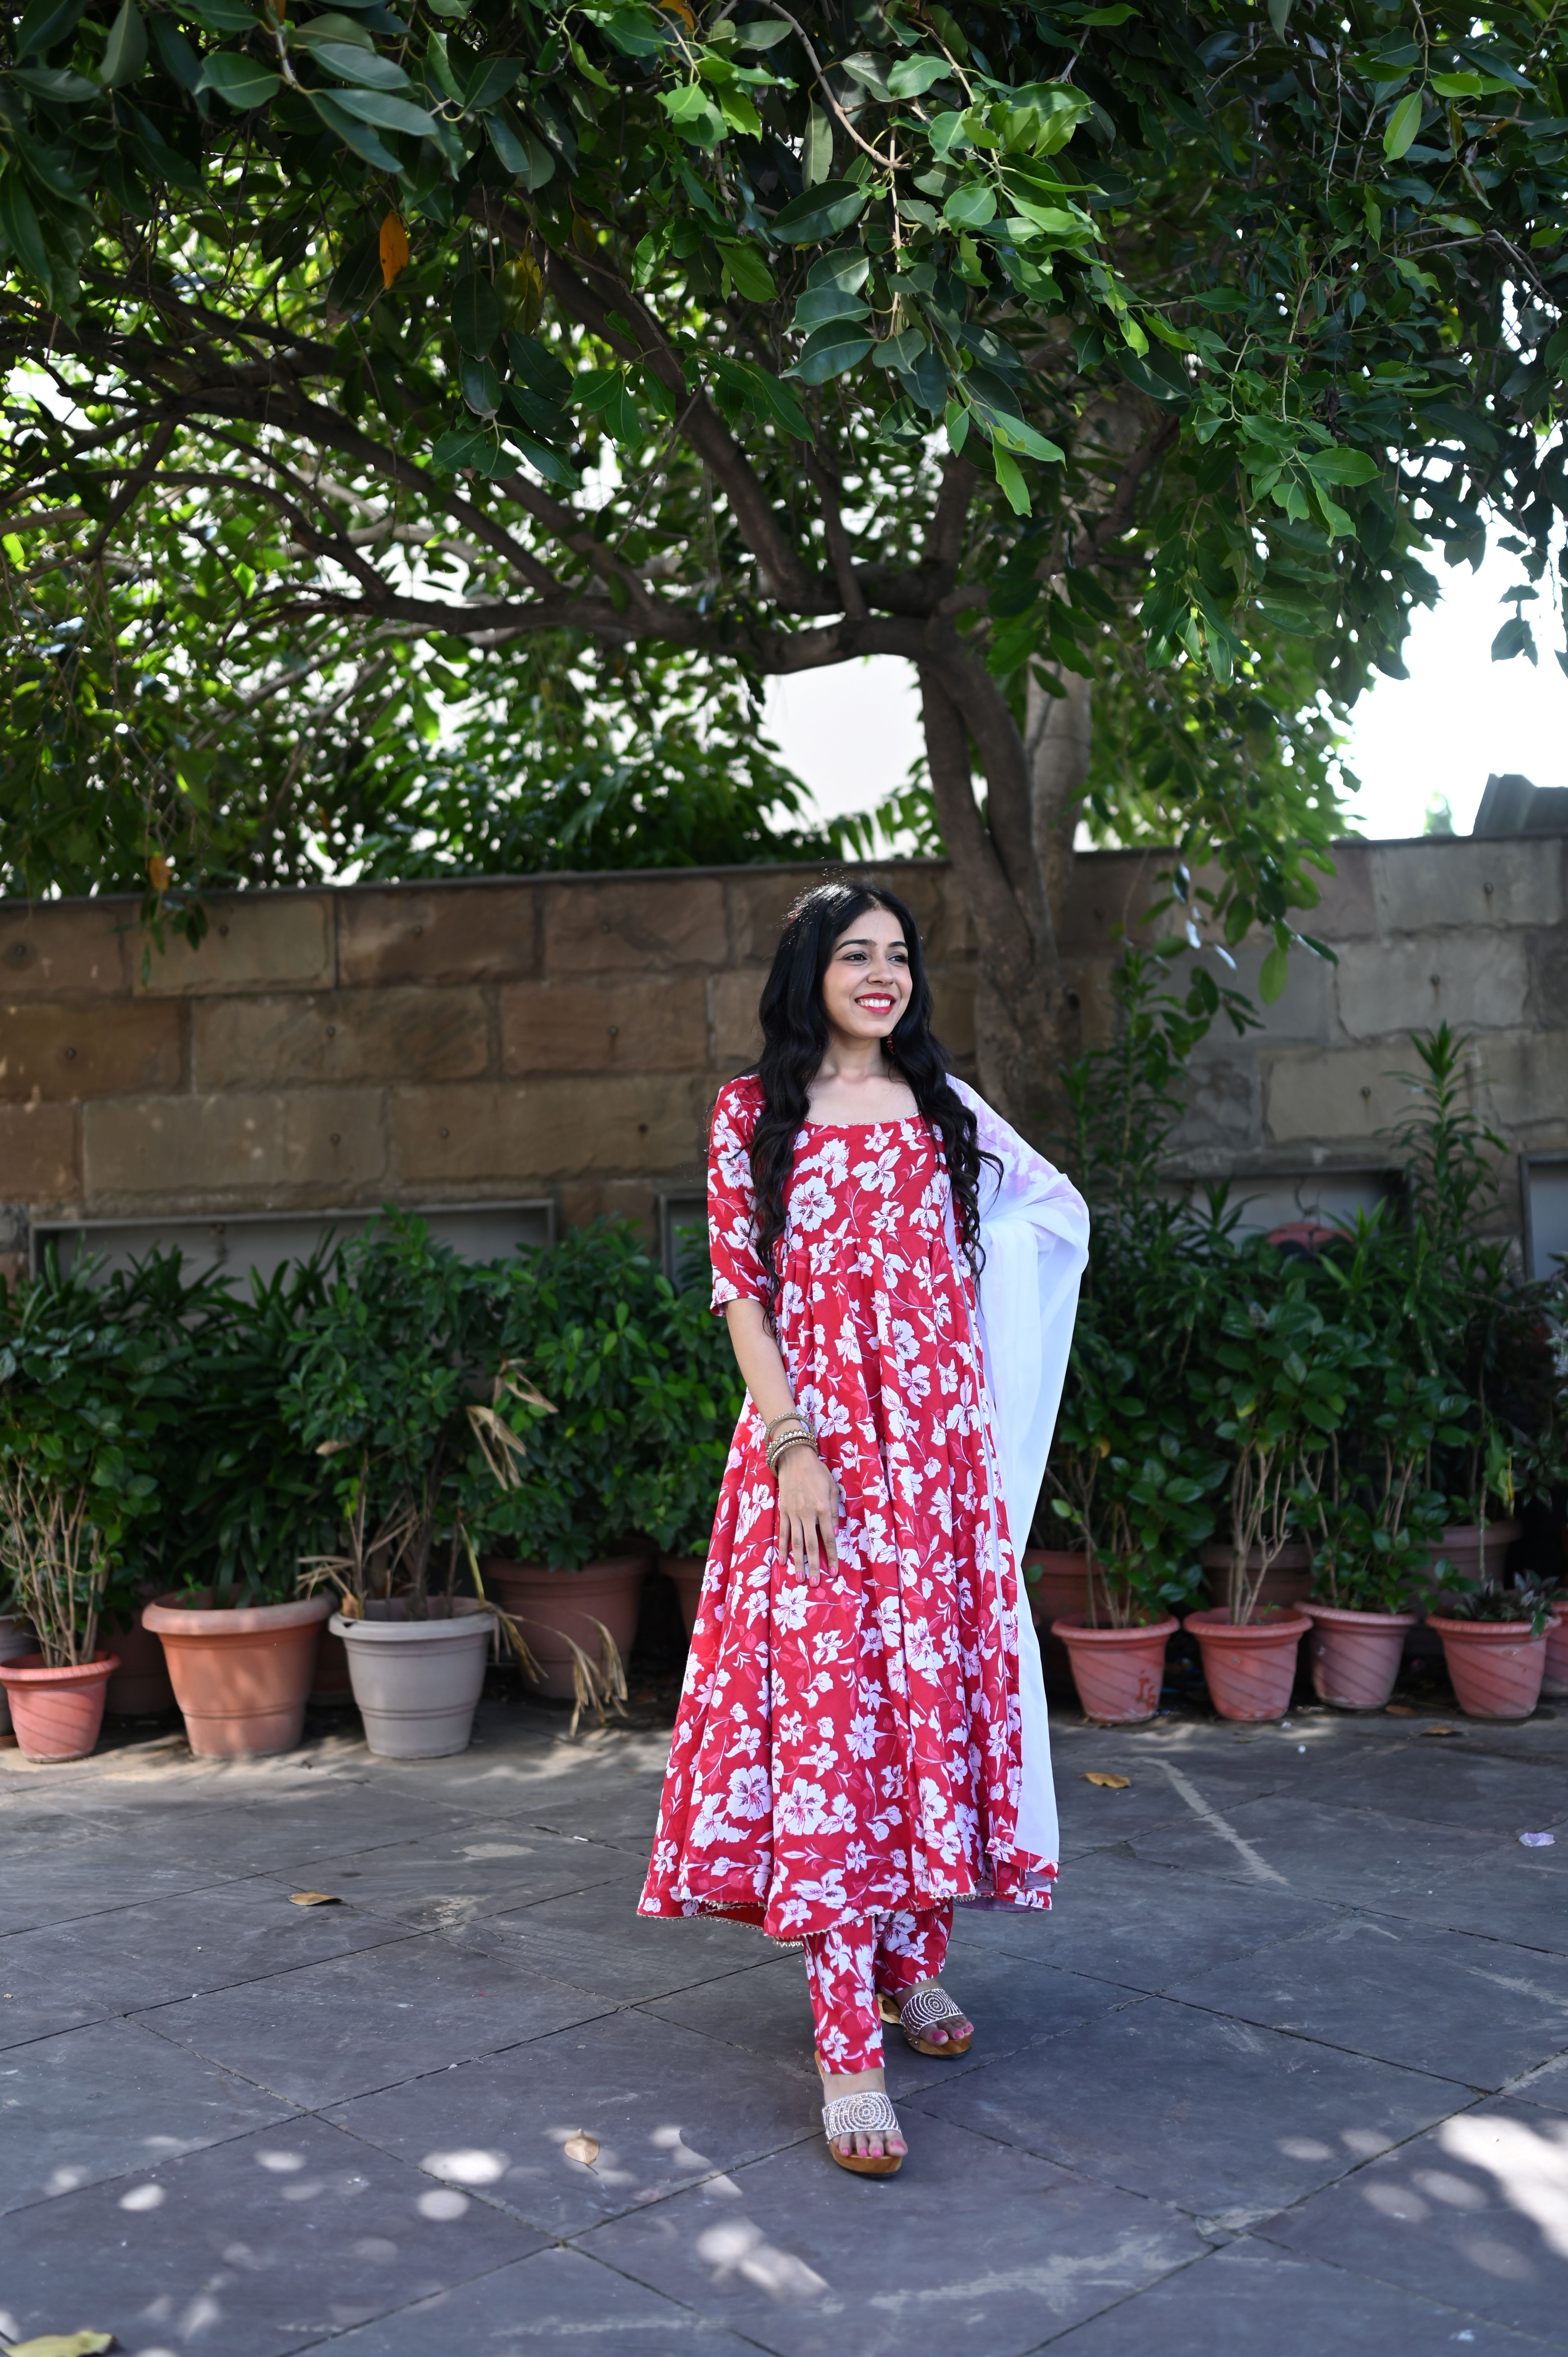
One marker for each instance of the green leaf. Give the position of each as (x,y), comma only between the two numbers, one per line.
(830,351)
(694,114)
(740,113)
(492,79)
(222,15)
(1458,85)
(386,113)
(125,51)
(1515,637)
(240,81)
(912,77)
(365,67)
(820,213)
(20,225)
(332,28)
(972,206)
(521,151)
(847,266)
(816,152)
(1010,476)
(356,136)
(751,274)
(818,304)
(475,313)
(1399,133)
(466,446)
(1279,16)
(53,83)
(481,385)
(763,32)
(1274,974)
(44,23)
(545,461)
(1340,465)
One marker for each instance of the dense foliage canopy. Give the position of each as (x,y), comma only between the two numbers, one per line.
(1143,344)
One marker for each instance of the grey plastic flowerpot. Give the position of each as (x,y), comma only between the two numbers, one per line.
(417,1683)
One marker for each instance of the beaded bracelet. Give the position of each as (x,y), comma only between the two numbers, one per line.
(791,1440)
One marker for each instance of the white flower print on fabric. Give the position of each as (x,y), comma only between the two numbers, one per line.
(850,1749)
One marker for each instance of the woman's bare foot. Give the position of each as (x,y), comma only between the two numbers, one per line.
(865,2144)
(954,2030)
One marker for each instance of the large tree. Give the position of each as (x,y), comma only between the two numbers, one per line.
(1032,345)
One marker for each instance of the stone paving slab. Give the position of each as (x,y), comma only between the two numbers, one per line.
(1249,2297)
(269,2243)
(1286,2066)
(1474,2213)
(995,2246)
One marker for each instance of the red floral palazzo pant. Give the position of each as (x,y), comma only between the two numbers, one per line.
(848,1967)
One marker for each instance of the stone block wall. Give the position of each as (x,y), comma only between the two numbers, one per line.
(563,1036)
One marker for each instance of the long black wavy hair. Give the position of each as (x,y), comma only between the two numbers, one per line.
(795,1040)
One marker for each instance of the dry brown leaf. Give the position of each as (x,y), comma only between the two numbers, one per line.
(314,1899)
(1442,1730)
(1111,1783)
(583,2148)
(1400,1709)
(60,2344)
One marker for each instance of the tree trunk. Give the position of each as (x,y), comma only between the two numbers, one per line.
(1058,736)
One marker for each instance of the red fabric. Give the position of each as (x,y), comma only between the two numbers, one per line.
(847,1966)
(850,1749)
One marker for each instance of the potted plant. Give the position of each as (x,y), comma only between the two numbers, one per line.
(400,1386)
(246,1501)
(1493,1642)
(645,1394)
(84,1391)
(1126,1471)
(1274,1380)
(1365,1496)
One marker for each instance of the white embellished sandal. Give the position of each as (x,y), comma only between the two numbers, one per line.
(850,2115)
(920,2011)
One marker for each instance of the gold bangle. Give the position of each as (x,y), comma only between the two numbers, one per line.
(793,1416)
(791,1440)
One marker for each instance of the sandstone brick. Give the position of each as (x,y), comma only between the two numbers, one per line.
(1223,1103)
(756,898)
(1343,1094)
(1523,1083)
(447,933)
(13,1267)
(1548,979)
(734,1031)
(40,1159)
(1476,977)
(341,1036)
(656,1024)
(66,950)
(255,940)
(481,1131)
(309,1146)
(1105,889)
(581,1201)
(88,1051)
(953,1008)
(1514,880)
(642,926)
(1346,906)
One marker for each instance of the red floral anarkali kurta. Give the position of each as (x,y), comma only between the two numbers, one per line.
(853,1748)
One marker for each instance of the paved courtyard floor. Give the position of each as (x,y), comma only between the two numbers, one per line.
(1286,2070)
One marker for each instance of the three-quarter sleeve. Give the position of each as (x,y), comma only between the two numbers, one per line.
(739,1272)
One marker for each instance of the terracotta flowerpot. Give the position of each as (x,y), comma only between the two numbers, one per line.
(16,1639)
(1555,1682)
(140,1688)
(418,1683)
(239,1676)
(1055,1581)
(551,1606)
(686,1571)
(1249,1671)
(1462,1544)
(58,1713)
(1355,1656)
(1497,1666)
(1117,1672)
(1286,1586)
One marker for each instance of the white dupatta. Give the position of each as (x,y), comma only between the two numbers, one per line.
(1034,1233)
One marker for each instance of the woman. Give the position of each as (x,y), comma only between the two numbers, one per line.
(861,1735)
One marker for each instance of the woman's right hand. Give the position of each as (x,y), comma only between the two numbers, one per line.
(808,1512)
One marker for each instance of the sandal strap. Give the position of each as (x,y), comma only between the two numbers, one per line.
(926,2006)
(859,2115)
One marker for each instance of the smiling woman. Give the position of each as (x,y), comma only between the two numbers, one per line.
(862,1739)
